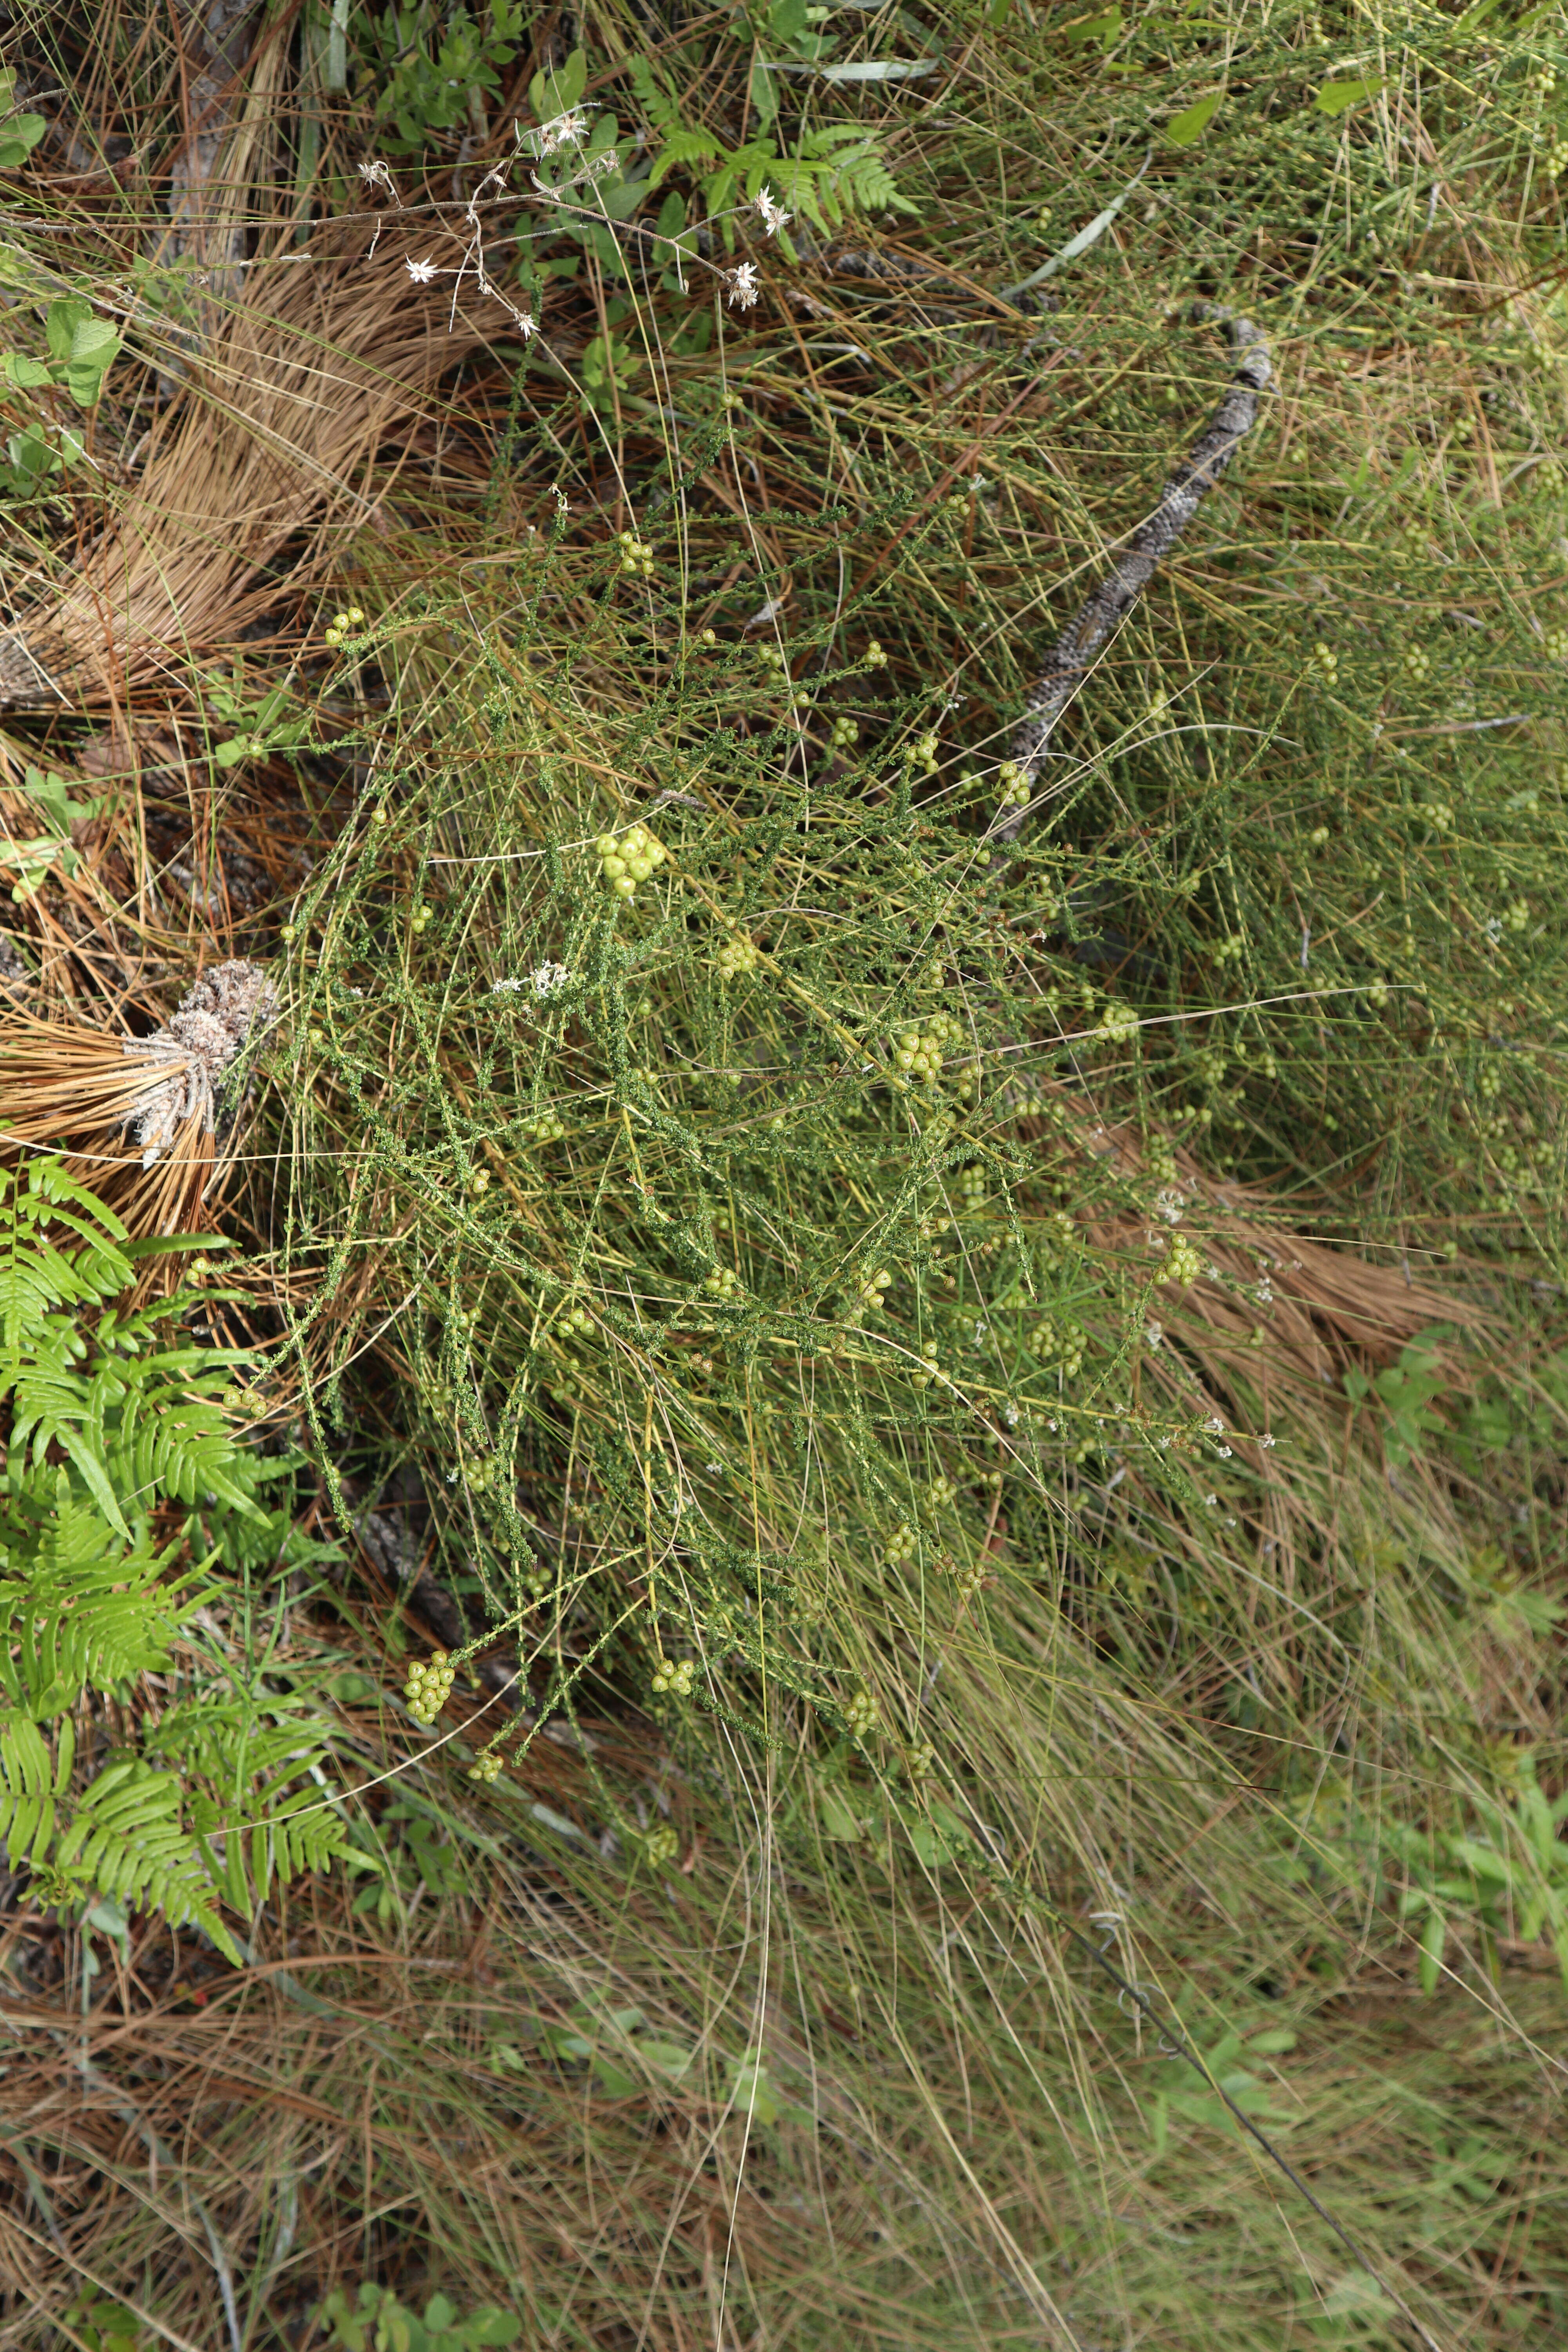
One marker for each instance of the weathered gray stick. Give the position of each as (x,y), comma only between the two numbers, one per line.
(1091,630)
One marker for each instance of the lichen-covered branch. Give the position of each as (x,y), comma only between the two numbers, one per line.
(1086,635)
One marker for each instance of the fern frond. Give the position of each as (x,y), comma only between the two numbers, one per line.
(26,1791)
(76,1607)
(127,1840)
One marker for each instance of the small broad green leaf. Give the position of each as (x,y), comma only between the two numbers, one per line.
(18,137)
(1357,2290)
(439,2312)
(613,2077)
(752,2092)
(1186,129)
(550,94)
(1432,1936)
(94,348)
(666,2057)
(61,321)
(1336,97)
(838,1822)
(24,374)
(1105,28)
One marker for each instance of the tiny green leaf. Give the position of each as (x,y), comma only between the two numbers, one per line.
(1335,97)
(1186,129)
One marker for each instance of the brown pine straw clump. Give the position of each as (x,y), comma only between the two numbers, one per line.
(147,1123)
(328,356)
(1264,1334)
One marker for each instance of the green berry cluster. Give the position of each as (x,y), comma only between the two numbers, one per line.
(968,1577)
(1066,1342)
(635,554)
(418,919)
(927,1373)
(1183,1265)
(341,623)
(870,1287)
(1555,645)
(1015,785)
(771,656)
(674,1679)
(1439,815)
(861,1715)
(1326,662)
(1418,664)
(899,1548)
(427,1686)
(724,1283)
(845,732)
(479,1182)
(1556,162)
(931,1229)
(737,956)
(874,657)
(972,1185)
(1119,1021)
(627,858)
(661,1847)
(1517,916)
(573,1321)
(1160,1158)
(541,1126)
(486,1768)
(918,1047)
(923,754)
(940,1493)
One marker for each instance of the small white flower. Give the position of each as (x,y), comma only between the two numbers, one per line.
(548,978)
(504,987)
(563,131)
(1214,1426)
(1266,1442)
(422,272)
(377,176)
(742,284)
(775,218)
(1155,1335)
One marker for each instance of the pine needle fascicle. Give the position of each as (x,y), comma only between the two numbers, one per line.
(148,1122)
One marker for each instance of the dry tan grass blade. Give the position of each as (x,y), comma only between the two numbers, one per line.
(327,355)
